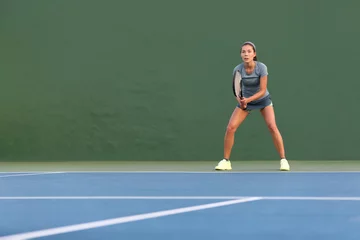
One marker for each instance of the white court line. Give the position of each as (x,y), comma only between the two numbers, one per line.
(120,197)
(314,198)
(216,172)
(117,197)
(202,172)
(113,221)
(28,174)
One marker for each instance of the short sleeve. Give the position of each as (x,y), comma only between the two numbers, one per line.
(263,70)
(234,70)
(238,67)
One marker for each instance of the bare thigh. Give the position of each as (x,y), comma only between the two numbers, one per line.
(237,117)
(269,117)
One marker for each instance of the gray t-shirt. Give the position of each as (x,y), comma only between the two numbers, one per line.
(251,83)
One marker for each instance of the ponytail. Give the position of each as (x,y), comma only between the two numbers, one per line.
(255,58)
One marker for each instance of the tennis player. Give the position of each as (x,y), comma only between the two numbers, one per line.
(256,97)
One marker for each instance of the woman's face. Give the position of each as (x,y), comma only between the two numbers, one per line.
(247,53)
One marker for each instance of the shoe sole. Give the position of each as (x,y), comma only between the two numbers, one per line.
(284,170)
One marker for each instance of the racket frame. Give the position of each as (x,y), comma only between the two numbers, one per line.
(235,82)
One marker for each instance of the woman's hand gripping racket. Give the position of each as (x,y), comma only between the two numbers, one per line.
(237,88)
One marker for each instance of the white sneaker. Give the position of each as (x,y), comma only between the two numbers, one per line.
(284,165)
(223,165)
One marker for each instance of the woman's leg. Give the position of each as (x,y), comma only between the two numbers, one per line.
(269,117)
(237,117)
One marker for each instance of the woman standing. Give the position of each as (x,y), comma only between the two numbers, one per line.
(256,97)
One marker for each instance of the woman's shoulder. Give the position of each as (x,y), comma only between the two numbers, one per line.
(261,69)
(260,64)
(238,67)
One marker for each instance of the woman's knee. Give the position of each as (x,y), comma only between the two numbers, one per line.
(272,127)
(231,128)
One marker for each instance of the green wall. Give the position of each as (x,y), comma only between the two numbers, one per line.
(151,80)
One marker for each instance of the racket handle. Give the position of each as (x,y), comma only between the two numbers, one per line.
(241,97)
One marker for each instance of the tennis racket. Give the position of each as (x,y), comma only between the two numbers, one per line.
(237,84)
(237,88)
